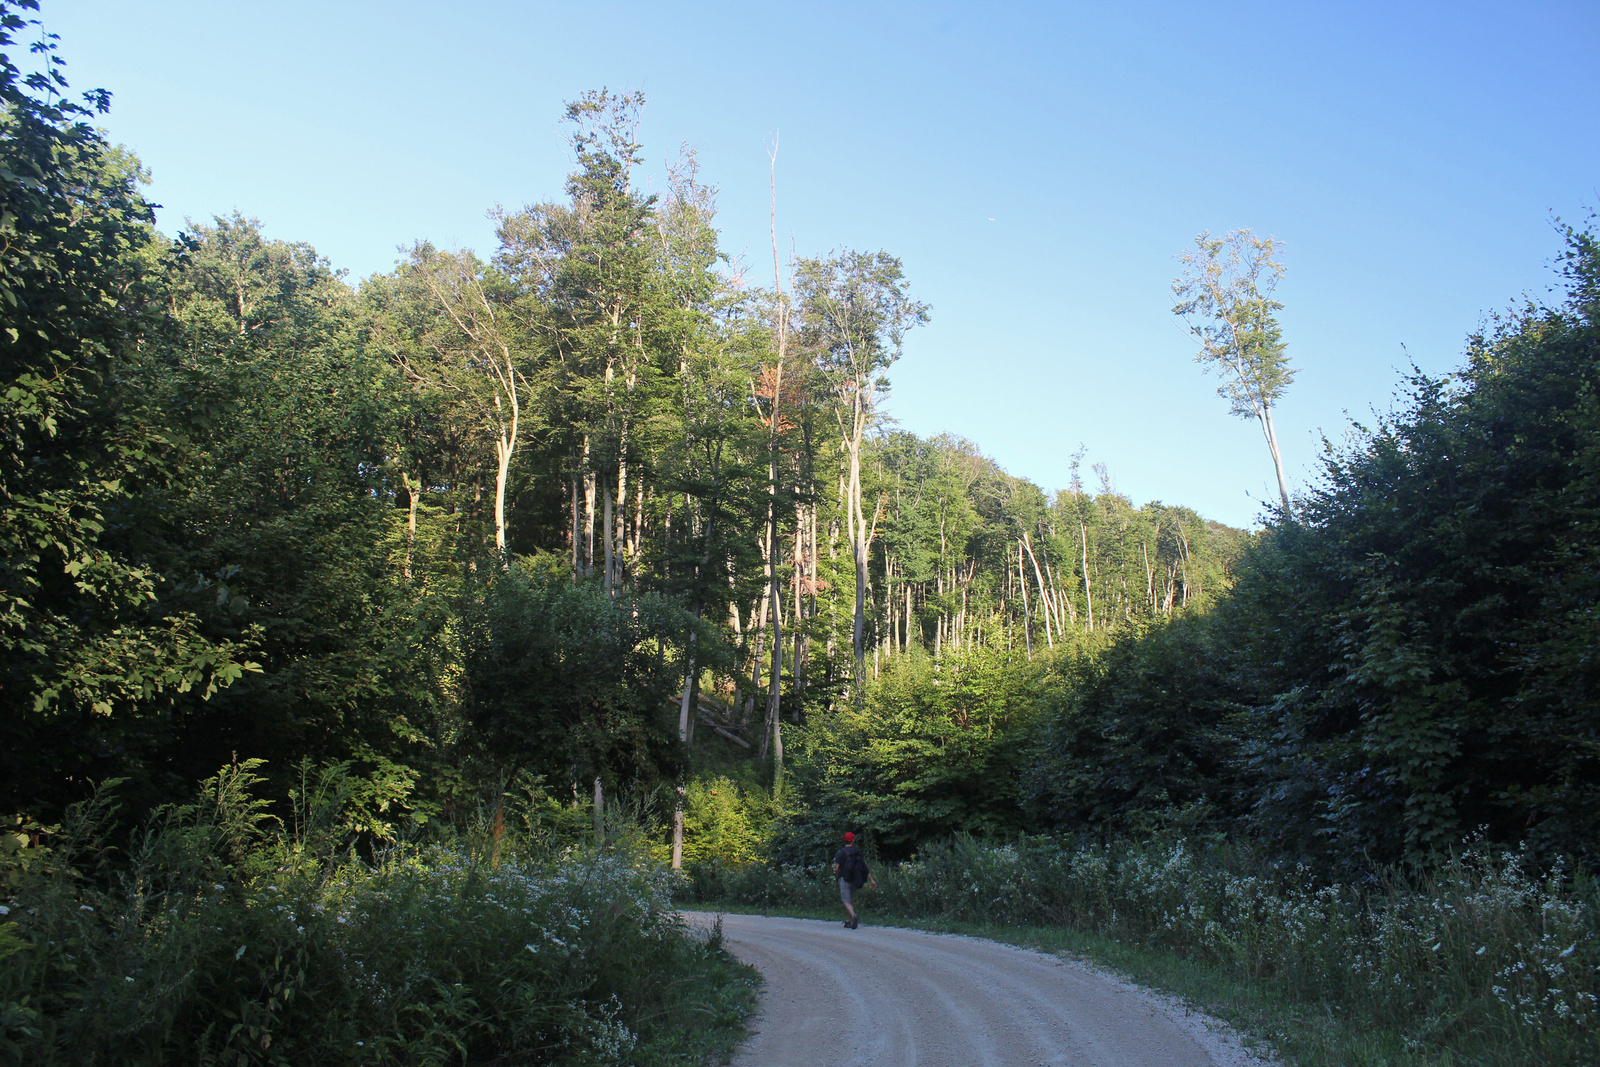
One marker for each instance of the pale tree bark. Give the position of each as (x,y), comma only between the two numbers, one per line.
(798,629)
(774,721)
(1049,633)
(1088,589)
(610,531)
(857,312)
(576,531)
(588,510)
(455,286)
(684,709)
(1277,457)
(413,491)
(1027,614)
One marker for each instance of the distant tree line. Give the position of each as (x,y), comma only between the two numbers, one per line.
(1404,666)
(545,512)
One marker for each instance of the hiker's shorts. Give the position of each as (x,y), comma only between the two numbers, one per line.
(847,892)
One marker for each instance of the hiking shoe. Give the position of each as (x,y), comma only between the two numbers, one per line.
(853,923)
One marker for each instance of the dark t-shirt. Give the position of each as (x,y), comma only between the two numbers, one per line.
(855,874)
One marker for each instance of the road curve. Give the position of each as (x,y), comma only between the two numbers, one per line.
(888,997)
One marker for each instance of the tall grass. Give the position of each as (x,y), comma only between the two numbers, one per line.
(222,938)
(1482,954)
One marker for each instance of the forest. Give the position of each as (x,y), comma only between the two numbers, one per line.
(600,539)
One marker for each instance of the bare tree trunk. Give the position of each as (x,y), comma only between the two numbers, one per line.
(677,829)
(1088,591)
(774,725)
(684,720)
(909,616)
(610,532)
(599,812)
(588,511)
(638,522)
(504,445)
(799,617)
(1277,459)
(1049,634)
(413,490)
(576,531)
(736,620)
(621,536)
(1027,615)
(1183,564)
(858,544)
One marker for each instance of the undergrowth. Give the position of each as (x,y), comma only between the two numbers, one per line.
(221,937)
(1481,961)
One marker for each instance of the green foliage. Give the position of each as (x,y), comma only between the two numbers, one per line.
(1225,297)
(565,681)
(85,649)
(938,746)
(1408,664)
(1418,657)
(1140,737)
(724,821)
(226,938)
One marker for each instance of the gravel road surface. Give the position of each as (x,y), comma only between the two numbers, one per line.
(887,997)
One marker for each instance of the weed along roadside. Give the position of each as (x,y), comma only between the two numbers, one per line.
(1477,962)
(219,937)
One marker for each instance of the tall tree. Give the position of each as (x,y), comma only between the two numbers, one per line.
(590,262)
(856,312)
(772,732)
(476,348)
(1224,295)
(87,656)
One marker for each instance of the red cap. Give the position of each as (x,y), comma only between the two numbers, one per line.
(849,837)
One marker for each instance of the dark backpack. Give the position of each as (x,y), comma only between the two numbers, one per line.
(854,867)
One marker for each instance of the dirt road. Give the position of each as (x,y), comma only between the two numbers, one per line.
(888,997)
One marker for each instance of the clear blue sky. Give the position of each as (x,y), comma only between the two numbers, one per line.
(1037,167)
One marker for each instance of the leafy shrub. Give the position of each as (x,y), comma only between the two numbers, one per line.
(938,746)
(724,820)
(222,941)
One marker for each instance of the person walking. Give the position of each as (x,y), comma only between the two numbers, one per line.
(850,867)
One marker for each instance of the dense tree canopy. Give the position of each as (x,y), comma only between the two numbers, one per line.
(592,505)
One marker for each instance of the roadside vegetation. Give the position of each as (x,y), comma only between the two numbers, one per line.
(222,934)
